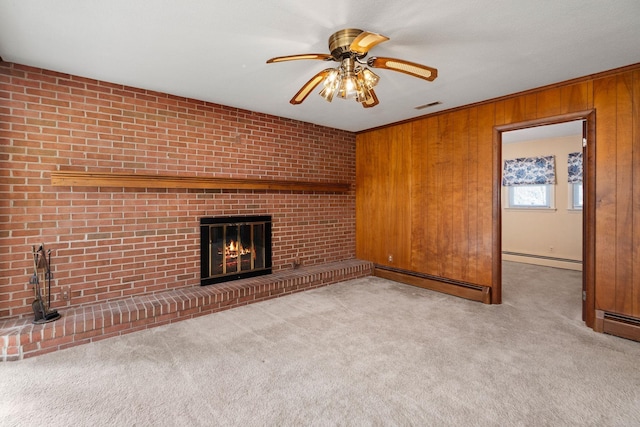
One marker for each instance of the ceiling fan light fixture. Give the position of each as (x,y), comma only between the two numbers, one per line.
(351,80)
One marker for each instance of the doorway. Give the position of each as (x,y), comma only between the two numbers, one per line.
(552,128)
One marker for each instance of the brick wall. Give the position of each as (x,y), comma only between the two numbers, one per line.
(108,243)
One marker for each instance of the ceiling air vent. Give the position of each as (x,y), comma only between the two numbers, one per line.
(431,104)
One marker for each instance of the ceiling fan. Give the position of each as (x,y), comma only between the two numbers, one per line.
(352,79)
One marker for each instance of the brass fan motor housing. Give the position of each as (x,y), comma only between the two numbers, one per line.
(340,42)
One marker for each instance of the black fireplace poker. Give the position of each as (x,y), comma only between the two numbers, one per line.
(42,266)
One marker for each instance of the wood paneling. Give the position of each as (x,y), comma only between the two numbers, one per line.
(452,196)
(430,204)
(399,202)
(606,157)
(421,208)
(520,109)
(459,192)
(635,311)
(371,208)
(383,212)
(549,103)
(575,97)
(486,117)
(471,201)
(444,176)
(449,235)
(624,195)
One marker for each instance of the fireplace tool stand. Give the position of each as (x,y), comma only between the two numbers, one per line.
(42,268)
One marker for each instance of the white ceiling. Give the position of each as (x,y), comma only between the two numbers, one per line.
(215,50)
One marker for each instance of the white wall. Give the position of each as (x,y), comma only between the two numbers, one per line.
(555,233)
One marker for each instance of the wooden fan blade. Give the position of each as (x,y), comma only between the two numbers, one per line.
(371,102)
(411,68)
(309,86)
(365,41)
(321,56)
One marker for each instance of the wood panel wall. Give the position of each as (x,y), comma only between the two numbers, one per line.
(426,189)
(617,102)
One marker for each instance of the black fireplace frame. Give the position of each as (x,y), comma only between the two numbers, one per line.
(205,247)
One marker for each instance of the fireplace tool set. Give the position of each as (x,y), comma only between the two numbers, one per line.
(42,269)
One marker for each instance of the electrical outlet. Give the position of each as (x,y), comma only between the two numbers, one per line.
(550,248)
(65,293)
(390,258)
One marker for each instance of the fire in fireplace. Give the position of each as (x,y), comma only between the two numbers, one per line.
(234,248)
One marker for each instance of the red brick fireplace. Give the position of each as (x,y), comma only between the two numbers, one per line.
(20,338)
(163,162)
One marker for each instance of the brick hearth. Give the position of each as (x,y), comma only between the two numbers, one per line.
(21,338)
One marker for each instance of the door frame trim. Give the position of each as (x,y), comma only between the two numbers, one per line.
(588,210)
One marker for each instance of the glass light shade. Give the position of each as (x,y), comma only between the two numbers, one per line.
(370,78)
(348,86)
(331,84)
(332,78)
(363,90)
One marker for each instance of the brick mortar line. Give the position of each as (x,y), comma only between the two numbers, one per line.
(125,316)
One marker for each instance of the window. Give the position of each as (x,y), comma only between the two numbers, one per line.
(574,164)
(530,182)
(531,196)
(576,195)
(529,171)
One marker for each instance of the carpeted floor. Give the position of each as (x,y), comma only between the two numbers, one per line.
(363,352)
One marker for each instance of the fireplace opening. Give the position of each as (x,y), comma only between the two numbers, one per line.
(234,248)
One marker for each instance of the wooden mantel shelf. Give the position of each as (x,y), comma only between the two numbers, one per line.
(108,179)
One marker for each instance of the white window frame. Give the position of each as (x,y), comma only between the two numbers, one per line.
(550,196)
(574,196)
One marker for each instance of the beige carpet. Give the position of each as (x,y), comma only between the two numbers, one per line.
(364,352)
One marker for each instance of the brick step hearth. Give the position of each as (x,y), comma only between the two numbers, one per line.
(20,338)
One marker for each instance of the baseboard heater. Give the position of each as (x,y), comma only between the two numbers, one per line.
(549,258)
(619,325)
(435,283)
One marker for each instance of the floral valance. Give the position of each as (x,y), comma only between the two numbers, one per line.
(574,163)
(529,170)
